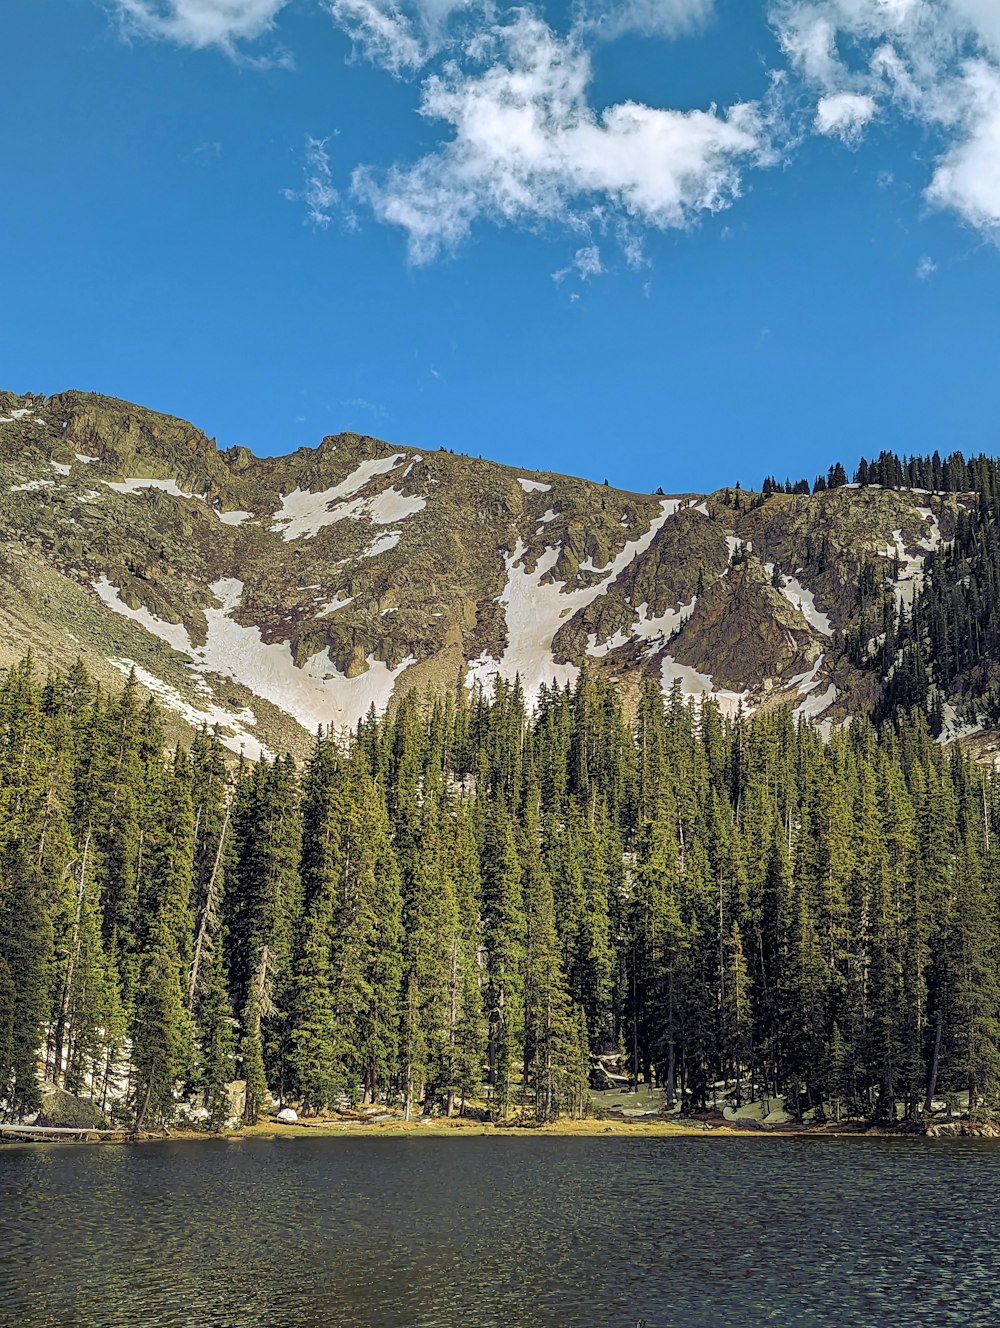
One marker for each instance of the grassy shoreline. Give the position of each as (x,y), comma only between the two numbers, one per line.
(592,1128)
(603,1126)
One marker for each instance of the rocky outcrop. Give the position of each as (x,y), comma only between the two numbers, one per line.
(270,595)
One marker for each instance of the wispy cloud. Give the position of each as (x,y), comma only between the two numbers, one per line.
(936,62)
(649,18)
(399,36)
(318,192)
(527,147)
(585,263)
(362,403)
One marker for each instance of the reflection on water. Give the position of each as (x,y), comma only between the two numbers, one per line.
(500,1233)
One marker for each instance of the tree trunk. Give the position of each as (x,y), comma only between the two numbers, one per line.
(74,954)
(932,1077)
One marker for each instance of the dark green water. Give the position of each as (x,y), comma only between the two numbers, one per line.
(487,1232)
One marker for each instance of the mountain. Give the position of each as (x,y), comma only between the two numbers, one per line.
(273,595)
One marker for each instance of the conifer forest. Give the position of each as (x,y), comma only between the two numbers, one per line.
(464,903)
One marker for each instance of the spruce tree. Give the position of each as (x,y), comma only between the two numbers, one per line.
(25,948)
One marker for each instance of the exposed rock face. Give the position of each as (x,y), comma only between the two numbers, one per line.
(272,595)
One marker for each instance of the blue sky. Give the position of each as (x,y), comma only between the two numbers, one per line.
(666,242)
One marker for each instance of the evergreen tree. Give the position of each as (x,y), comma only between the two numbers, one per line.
(25,949)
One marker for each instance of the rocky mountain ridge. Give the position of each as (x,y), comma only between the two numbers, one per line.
(273,595)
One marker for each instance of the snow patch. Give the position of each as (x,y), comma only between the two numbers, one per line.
(815,703)
(548,515)
(234,518)
(933,540)
(805,601)
(317,693)
(303,514)
(808,681)
(392,505)
(657,630)
(333,605)
(15,415)
(533,486)
(134,485)
(60,468)
(911,569)
(31,486)
(698,686)
(85,460)
(174,634)
(383,544)
(535,609)
(954,728)
(232,724)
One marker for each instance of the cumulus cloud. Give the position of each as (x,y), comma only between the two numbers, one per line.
(201,23)
(528,147)
(844,114)
(967,178)
(936,62)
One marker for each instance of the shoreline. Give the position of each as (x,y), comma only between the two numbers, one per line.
(568,1129)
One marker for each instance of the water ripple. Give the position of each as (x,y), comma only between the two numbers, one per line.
(500,1233)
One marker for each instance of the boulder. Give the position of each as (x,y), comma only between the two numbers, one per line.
(60,1108)
(287,1116)
(237,1093)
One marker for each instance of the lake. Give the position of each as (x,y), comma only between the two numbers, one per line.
(500,1233)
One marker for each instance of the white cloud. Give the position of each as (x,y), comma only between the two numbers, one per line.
(586,263)
(632,249)
(926,268)
(385,34)
(201,23)
(967,178)
(318,191)
(937,62)
(983,17)
(528,147)
(844,114)
(650,18)
(398,37)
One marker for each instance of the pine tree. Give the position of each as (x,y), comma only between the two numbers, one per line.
(216,1054)
(549,1026)
(504,937)
(160,1030)
(25,948)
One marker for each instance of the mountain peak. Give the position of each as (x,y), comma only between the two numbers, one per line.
(275,594)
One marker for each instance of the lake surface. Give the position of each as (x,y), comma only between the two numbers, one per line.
(491,1232)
